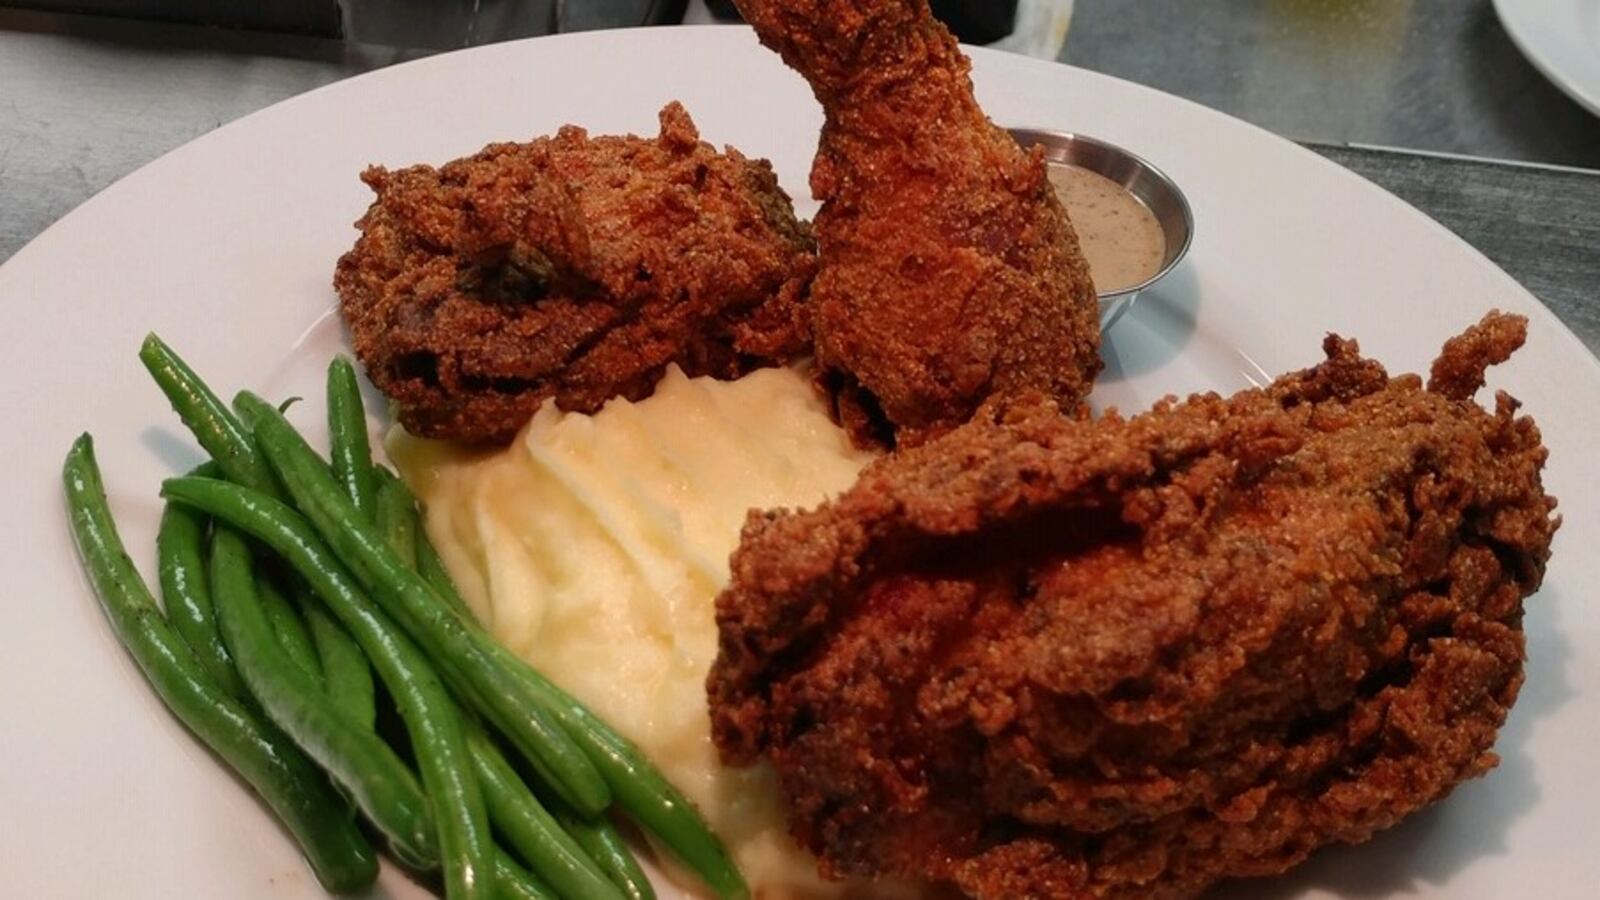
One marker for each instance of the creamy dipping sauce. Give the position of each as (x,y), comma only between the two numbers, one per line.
(1120,236)
(595,546)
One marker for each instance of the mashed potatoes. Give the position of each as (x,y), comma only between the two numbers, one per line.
(594,546)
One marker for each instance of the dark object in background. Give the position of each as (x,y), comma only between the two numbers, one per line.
(430,24)
(447,24)
(978,21)
(588,15)
(319,17)
(973,21)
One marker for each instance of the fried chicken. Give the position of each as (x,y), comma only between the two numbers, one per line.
(1129,658)
(571,267)
(948,270)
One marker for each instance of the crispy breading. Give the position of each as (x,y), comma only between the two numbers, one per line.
(571,267)
(1128,658)
(949,271)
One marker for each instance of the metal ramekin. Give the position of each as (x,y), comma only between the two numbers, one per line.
(1148,184)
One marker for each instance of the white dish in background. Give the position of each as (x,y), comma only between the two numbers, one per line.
(226,247)
(1562,40)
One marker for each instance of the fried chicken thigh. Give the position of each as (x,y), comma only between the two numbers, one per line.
(571,267)
(948,270)
(1129,658)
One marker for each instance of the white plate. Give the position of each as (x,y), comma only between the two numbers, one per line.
(1562,39)
(226,246)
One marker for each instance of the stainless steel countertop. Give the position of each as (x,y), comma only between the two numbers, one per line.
(1434,75)
(85,100)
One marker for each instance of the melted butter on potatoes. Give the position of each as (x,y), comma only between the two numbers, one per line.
(594,546)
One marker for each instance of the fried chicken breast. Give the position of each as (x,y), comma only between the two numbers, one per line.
(1129,658)
(571,267)
(948,270)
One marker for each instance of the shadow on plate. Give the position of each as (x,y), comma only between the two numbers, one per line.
(1163,320)
(1432,847)
(173,446)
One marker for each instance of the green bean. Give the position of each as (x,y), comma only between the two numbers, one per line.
(464,653)
(379,781)
(350,447)
(515,883)
(397,518)
(433,571)
(606,846)
(345,670)
(429,565)
(217,429)
(389,792)
(524,823)
(264,757)
(349,678)
(431,718)
(640,788)
(636,784)
(288,628)
(513,810)
(185,594)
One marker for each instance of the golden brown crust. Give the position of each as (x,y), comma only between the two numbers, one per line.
(1128,658)
(572,267)
(949,271)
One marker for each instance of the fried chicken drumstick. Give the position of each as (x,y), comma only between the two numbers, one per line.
(948,269)
(1130,658)
(572,267)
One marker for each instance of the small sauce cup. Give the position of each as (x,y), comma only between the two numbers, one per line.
(1144,182)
